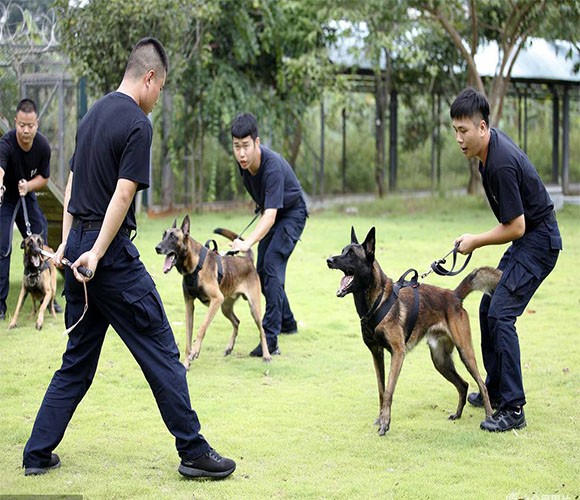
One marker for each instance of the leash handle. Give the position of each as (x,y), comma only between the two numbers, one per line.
(438,268)
(87,273)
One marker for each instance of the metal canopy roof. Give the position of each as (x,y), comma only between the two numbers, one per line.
(539,61)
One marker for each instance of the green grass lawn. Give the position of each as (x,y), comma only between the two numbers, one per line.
(302,426)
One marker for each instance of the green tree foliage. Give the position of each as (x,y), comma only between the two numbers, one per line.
(267,56)
(470,23)
(98,35)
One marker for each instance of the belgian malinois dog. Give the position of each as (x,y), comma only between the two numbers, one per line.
(240,279)
(441,318)
(39,280)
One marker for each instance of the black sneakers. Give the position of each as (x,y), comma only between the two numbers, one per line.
(476,399)
(210,464)
(504,420)
(273,349)
(54,463)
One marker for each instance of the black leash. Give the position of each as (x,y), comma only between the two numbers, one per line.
(234,252)
(251,222)
(437,266)
(25,211)
(21,201)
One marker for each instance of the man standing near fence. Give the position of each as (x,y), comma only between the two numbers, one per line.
(109,165)
(526,217)
(274,187)
(24,169)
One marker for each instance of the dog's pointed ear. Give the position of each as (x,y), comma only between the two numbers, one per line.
(353,238)
(185,225)
(22,244)
(174,224)
(369,245)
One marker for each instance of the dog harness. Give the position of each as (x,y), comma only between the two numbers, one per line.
(33,276)
(190,280)
(378,311)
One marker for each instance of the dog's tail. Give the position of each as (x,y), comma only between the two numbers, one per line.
(484,279)
(230,235)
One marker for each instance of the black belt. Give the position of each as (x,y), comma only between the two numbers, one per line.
(95,225)
(549,219)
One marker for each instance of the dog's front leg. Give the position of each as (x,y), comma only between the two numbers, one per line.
(21,298)
(189,310)
(379,362)
(45,302)
(214,304)
(397,357)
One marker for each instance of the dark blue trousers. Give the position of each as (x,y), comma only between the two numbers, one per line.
(123,295)
(38,225)
(274,250)
(525,264)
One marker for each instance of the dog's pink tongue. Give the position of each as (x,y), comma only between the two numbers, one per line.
(344,282)
(168,263)
(36,260)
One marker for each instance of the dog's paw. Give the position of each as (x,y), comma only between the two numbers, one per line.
(455,416)
(12,325)
(383,429)
(384,425)
(39,326)
(267,359)
(228,351)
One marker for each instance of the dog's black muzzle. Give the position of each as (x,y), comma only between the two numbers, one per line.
(161,249)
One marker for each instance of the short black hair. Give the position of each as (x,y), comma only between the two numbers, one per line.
(147,54)
(26,106)
(244,125)
(470,103)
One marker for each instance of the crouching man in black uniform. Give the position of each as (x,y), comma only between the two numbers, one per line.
(273,185)
(525,212)
(109,165)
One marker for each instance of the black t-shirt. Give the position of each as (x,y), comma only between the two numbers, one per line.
(19,164)
(275,184)
(113,142)
(512,185)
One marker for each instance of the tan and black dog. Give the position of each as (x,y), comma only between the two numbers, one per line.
(239,278)
(39,280)
(441,318)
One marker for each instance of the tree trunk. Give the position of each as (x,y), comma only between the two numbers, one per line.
(380,106)
(474,186)
(167,177)
(295,143)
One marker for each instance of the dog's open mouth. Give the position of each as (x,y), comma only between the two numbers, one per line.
(169,262)
(345,283)
(35,258)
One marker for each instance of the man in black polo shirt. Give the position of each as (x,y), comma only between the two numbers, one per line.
(526,218)
(109,165)
(274,187)
(24,169)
